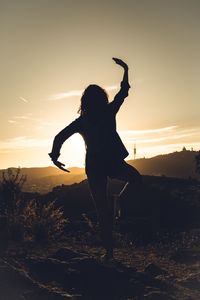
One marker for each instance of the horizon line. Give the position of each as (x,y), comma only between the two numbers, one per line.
(82,167)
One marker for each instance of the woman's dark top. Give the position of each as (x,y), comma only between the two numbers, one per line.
(99,132)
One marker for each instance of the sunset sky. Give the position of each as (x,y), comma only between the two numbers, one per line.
(52,49)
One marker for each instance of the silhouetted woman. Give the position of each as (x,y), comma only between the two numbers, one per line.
(105,152)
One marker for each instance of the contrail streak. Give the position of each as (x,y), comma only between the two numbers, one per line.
(23,99)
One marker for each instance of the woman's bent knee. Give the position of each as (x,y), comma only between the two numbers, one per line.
(135,177)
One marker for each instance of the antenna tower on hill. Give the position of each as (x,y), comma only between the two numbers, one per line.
(134,151)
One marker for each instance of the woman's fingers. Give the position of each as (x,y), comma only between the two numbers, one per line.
(60,166)
(119,62)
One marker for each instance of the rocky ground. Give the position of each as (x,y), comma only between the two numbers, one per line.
(74,269)
(157,249)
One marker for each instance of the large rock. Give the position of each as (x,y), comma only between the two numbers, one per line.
(83,276)
(16,285)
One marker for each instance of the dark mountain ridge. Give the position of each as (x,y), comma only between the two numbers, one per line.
(177,164)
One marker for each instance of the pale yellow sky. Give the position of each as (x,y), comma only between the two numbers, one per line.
(52,49)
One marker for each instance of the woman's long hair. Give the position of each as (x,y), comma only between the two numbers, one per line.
(93,101)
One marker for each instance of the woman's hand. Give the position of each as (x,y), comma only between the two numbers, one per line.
(120,62)
(60,165)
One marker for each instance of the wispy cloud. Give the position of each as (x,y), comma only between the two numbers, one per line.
(148,131)
(69,94)
(33,122)
(111,87)
(76,93)
(23,142)
(28,116)
(23,99)
(17,119)
(159,134)
(12,121)
(161,140)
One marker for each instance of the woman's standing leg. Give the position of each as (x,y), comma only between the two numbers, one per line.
(98,187)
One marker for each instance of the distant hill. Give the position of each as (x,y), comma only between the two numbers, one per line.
(43,179)
(176,164)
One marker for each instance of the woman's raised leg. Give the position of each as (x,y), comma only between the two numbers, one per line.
(133,179)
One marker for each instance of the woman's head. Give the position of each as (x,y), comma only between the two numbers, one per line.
(93,100)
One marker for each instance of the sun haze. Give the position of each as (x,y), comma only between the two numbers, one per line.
(51,50)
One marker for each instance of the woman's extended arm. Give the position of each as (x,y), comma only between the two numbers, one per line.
(59,139)
(123,92)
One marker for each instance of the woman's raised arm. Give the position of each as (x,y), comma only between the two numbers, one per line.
(123,92)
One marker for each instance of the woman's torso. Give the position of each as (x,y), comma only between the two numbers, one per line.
(101,138)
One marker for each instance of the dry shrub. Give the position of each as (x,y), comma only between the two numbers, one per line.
(43,222)
(10,189)
(33,220)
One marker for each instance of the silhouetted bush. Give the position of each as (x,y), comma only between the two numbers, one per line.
(31,220)
(43,222)
(10,190)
